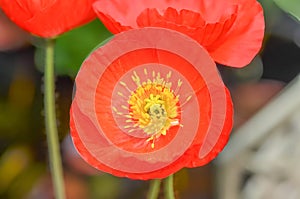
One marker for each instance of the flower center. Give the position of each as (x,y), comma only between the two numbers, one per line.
(153,106)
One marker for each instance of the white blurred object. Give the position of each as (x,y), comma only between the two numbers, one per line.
(262,159)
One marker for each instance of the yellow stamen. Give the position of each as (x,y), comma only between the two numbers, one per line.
(152,106)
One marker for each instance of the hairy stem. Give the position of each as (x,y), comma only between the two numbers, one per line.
(50,122)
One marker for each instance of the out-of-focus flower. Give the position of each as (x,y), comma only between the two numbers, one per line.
(231,30)
(48,18)
(149,103)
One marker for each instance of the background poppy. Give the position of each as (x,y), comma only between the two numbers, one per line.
(48,18)
(231,31)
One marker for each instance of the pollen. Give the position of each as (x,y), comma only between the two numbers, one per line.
(153,106)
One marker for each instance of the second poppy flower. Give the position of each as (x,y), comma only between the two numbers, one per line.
(230,30)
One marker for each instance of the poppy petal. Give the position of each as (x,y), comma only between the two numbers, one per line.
(231,31)
(99,119)
(48,18)
(244,39)
(209,35)
(213,143)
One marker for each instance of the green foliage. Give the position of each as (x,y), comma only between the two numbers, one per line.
(104,186)
(290,6)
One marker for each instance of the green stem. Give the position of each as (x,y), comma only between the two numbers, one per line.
(154,189)
(50,122)
(168,188)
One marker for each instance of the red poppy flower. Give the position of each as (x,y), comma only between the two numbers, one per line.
(231,30)
(48,18)
(149,103)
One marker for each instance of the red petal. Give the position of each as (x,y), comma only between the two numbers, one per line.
(209,35)
(91,159)
(244,39)
(48,18)
(113,26)
(213,143)
(116,14)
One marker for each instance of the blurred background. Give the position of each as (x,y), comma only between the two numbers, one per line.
(24,169)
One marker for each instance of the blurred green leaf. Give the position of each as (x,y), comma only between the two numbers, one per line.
(73,47)
(290,6)
(104,186)
(25,182)
(13,162)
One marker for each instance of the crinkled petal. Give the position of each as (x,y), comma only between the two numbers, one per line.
(209,35)
(231,31)
(122,13)
(243,41)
